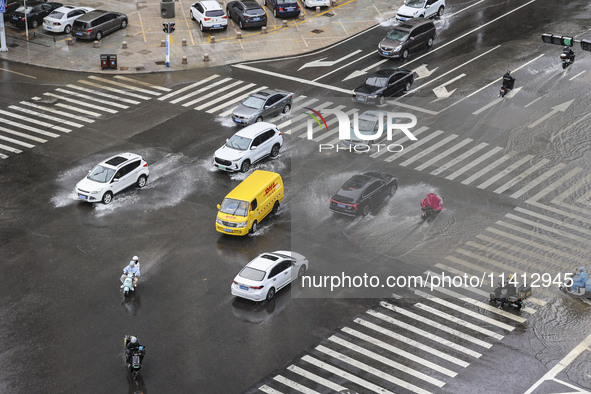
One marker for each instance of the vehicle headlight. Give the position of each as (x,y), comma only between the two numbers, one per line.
(354,94)
(241,224)
(372,96)
(218,221)
(94,192)
(399,47)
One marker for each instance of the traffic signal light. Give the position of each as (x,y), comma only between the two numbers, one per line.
(168,27)
(171,27)
(586,45)
(558,39)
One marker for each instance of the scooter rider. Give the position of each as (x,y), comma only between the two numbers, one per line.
(134,346)
(432,201)
(508,80)
(580,279)
(570,54)
(134,268)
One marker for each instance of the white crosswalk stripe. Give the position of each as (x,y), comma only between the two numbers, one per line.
(538,180)
(112,89)
(29,128)
(82,103)
(17,142)
(57,112)
(474,163)
(10,149)
(504,172)
(211,93)
(23,135)
(521,176)
(416,132)
(266,389)
(196,92)
(315,378)
(225,96)
(229,103)
(428,150)
(149,85)
(124,85)
(443,154)
(87,97)
(3,156)
(415,145)
(295,385)
(34,121)
(103,94)
(458,159)
(45,116)
(489,167)
(189,87)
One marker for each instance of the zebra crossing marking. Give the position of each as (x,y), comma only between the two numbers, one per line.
(225,96)
(10,149)
(443,154)
(489,167)
(266,389)
(149,85)
(460,158)
(29,128)
(82,103)
(103,94)
(315,378)
(554,185)
(35,121)
(294,385)
(196,92)
(211,94)
(538,180)
(561,223)
(504,172)
(87,97)
(189,87)
(230,102)
(473,163)
(112,89)
(124,85)
(399,141)
(414,145)
(521,176)
(57,112)
(45,116)
(21,143)
(428,150)
(23,135)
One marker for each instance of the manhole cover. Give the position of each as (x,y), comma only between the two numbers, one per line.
(123,68)
(144,52)
(126,53)
(140,68)
(328,14)
(317,31)
(12,45)
(160,63)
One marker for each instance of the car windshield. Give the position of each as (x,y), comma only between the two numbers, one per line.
(367,126)
(234,207)
(213,13)
(56,15)
(101,174)
(254,102)
(285,1)
(254,12)
(252,274)
(239,143)
(414,3)
(21,9)
(380,82)
(398,35)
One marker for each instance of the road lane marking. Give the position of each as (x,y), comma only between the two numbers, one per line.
(195,92)
(346,375)
(435,338)
(14,72)
(45,116)
(538,180)
(111,89)
(415,145)
(443,154)
(560,223)
(473,163)
(428,150)
(459,158)
(224,97)
(35,121)
(580,184)
(294,385)
(521,176)
(297,117)
(371,370)
(21,143)
(315,378)
(296,79)
(266,389)
(582,72)
(29,128)
(399,141)
(10,149)
(399,352)
(230,103)
(317,108)
(22,135)
(76,109)
(103,94)
(489,167)
(124,85)
(211,93)
(412,342)
(146,84)
(435,324)
(82,103)
(531,102)
(87,97)
(58,112)
(505,171)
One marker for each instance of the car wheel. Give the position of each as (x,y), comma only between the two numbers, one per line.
(201,27)
(107,198)
(270,294)
(275,208)
(259,119)
(366,210)
(302,271)
(392,190)
(381,100)
(430,42)
(404,54)
(67,29)
(245,166)
(440,11)
(34,24)
(407,87)
(141,181)
(192,16)
(275,151)
(99,35)
(286,109)
(254,227)
(124,23)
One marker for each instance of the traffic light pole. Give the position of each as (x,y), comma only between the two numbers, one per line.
(168,29)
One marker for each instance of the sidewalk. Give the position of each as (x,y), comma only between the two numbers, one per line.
(144,34)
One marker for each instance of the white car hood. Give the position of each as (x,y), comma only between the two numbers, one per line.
(90,186)
(228,153)
(408,11)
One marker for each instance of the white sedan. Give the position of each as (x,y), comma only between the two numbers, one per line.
(267,274)
(62,18)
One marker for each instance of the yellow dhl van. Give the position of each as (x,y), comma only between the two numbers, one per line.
(245,206)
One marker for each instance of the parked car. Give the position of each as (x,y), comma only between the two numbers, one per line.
(33,14)
(407,37)
(112,176)
(268,273)
(316,3)
(249,145)
(384,83)
(283,8)
(60,20)
(98,23)
(368,124)
(262,105)
(360,194)
(247,13)
(209,15)
(11,6)
(420,9)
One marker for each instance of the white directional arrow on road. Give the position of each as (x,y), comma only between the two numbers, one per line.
(498,100)
(559,108)
(328,63)
(423,72)
(441,92)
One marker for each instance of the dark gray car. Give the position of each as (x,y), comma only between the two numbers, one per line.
(407,37)
(261,106)
(98,23)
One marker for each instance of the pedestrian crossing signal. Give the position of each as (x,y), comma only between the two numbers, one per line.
(168,27)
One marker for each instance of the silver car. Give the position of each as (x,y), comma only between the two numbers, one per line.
(368,124)
(261,106)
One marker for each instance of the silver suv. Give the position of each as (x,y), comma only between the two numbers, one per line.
(95,24)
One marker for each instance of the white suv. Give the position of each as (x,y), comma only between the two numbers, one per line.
(249,145)
(112,176)
(420,9)
(209,14)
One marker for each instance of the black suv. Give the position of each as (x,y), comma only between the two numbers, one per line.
(407,37)
(247,13)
